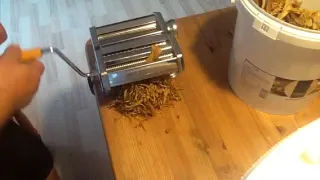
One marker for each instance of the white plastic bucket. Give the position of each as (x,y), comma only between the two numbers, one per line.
(297,157)
(274,66)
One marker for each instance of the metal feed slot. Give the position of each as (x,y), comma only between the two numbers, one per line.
(137,63)
(145,71)
(129,34)
(134,54)
(125,25)
(135,43)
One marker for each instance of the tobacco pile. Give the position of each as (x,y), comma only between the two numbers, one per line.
(144,99)
(291,11)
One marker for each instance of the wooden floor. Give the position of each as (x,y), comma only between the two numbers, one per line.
(64,111)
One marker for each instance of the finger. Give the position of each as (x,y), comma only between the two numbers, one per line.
(35,84)
(3,34)
(36,69)
(13,52)
(34,79)
(38,66)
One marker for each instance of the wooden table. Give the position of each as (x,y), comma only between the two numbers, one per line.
(210,134)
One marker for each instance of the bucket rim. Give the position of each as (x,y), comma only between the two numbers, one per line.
(255,10)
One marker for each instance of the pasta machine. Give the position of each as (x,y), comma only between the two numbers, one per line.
(121,50)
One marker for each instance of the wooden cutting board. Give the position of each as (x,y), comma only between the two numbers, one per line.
(210,134)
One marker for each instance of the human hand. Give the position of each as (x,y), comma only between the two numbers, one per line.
(18,81)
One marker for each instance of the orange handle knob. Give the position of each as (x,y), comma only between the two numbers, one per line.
(31,55)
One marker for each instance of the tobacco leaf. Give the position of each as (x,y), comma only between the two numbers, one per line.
(257,2)
(271,5)
(291,12)
(155,53)
(144,99)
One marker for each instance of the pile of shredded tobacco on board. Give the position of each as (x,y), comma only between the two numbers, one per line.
(291,12)
(143,99)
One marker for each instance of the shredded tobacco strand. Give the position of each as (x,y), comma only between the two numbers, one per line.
(144,99)
(291,12)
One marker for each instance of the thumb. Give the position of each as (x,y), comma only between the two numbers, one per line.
(3,34)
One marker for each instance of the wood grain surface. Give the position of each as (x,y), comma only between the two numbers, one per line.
(210,134)
(64,111)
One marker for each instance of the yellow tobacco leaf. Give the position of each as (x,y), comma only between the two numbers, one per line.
(155,53)
(291,12)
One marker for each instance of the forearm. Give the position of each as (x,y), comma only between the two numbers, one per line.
(23,121)
(6,108)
